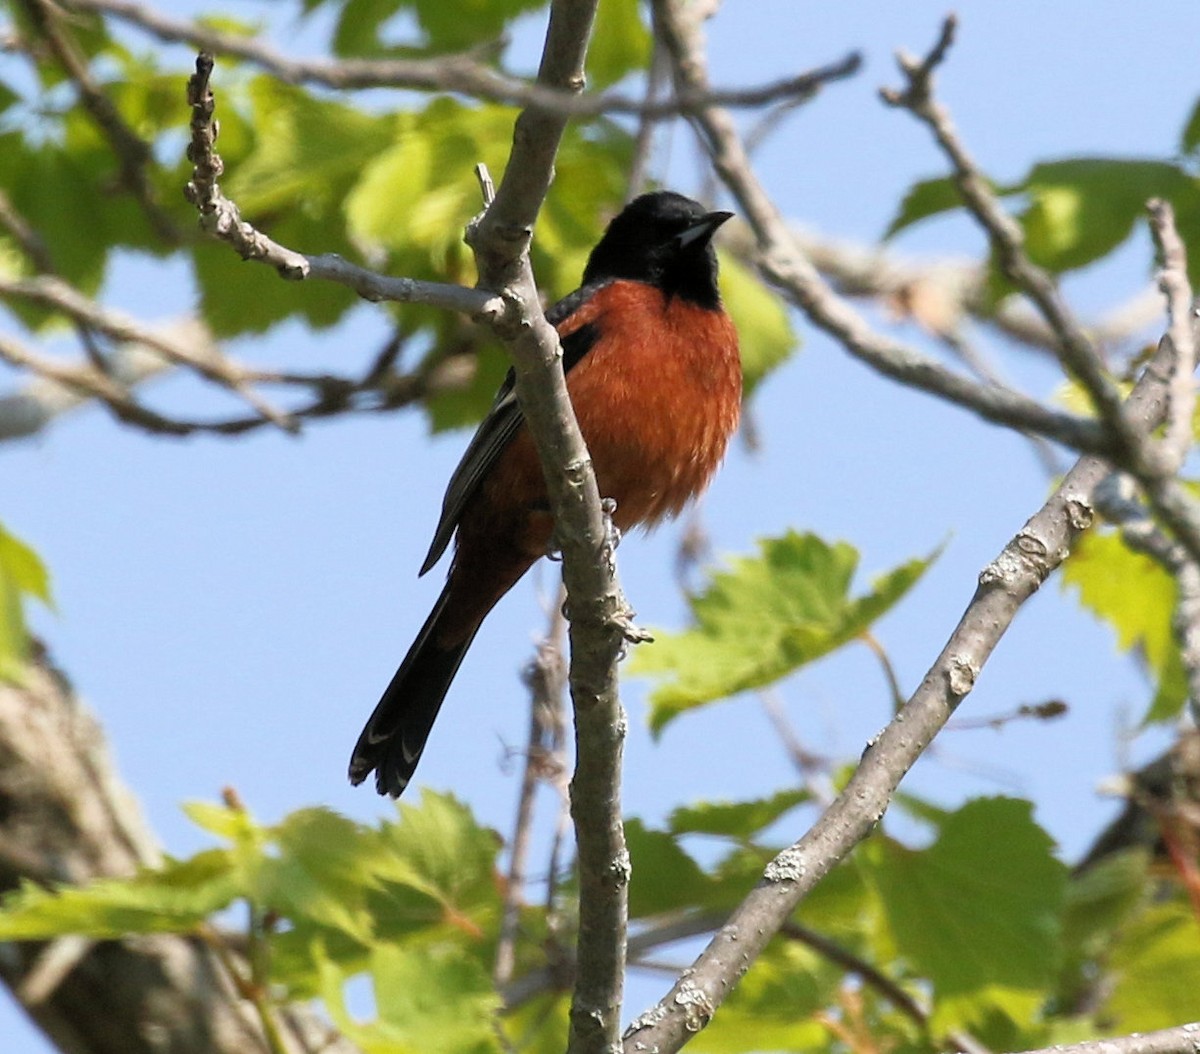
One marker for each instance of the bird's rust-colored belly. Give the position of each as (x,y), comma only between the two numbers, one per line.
(657,415)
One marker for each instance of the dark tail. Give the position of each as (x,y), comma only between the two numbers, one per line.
(395,735)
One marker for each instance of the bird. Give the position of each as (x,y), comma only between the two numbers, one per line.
(654,374)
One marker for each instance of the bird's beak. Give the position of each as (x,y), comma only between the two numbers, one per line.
(701,232)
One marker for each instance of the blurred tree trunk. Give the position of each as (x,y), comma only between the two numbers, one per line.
(66,817)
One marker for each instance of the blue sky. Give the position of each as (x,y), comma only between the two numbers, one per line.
(232,609)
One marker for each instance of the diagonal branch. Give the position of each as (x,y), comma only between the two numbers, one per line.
(1150,463)
(59,295)
(1076,350)
(1004,585)
(1179,1040)
(460,73)
(783,265)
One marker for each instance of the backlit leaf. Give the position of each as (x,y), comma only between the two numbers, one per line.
(1136,597)
(989,852)
(764,618)
(22,574)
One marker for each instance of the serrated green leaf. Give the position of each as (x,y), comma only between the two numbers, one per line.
(1136,597)
(321,871)
(765,333)
(173,899)
(764,618)
(990,852)
(425,1000)
(1157,969)
(233,825)
(439,849)
(741,819)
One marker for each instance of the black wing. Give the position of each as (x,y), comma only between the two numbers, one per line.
(500,425)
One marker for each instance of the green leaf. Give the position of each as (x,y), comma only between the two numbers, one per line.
(320,873)
(232,824)
(1189,139)
(928,197)
(425,881)
(1099,899)
(440,850)
(620,43)
(1157,970)
(764,326)
(1136,597)
(425,1000)
(764,618)
(22,574)
(665,877)
(1083,208)
(742,819)
(173,899)
(774,1006)
(989,852)
(465,23)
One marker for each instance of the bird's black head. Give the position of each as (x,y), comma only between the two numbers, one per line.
(663,239)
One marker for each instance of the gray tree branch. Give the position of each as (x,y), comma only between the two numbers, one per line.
(462,73)
(783,265)
(598,613)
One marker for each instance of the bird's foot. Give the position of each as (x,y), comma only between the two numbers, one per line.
(612,533)
(631,632)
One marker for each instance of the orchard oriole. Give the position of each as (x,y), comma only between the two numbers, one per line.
(655,378)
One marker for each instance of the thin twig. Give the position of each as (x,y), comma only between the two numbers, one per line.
(889,671)
(221,218)
(779,260)
(878,980)
(546,679)
(1175,287)
(52,292)
(133,154)
(461,73)
(1076,350)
